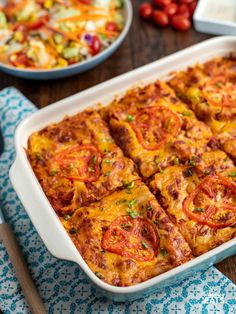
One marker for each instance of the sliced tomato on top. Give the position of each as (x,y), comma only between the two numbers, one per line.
(213,202)
(132,238)
(155,125)
(221,91)
(79,162)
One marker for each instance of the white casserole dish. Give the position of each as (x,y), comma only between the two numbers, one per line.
(37,205)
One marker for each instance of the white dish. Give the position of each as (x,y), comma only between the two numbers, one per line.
(37,205)
(78,67)
(216,17)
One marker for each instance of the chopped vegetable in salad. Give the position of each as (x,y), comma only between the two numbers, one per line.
(50,34)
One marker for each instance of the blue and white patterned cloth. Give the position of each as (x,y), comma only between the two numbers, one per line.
(62,285)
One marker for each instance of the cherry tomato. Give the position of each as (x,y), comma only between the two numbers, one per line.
(145,10)
(181,23)
(161,3)
(171,9)
(183,9)
(111,27)
(192,7)
(95,45)
(160,18)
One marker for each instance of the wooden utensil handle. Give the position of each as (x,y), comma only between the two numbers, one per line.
(22,273)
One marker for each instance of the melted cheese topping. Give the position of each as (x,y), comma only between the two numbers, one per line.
(172,187)
(90,223)
(65,194)
(189,85)
(190,141)
(90,183)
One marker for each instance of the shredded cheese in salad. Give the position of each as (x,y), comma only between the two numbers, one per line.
(50,34)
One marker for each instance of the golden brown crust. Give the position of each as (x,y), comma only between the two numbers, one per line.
(171,189)
(91,185)
(190,85)
(92,221)
(85,128)
(191,139)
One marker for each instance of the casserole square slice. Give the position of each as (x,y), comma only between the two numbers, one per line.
(76,161)
(210,91)
(203,207)
(155,129)
(127,238)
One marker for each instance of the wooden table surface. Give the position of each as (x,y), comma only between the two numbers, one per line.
(145,43)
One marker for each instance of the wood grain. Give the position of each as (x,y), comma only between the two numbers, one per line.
(22,272)
(145,43)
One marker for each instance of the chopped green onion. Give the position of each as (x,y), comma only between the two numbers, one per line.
(53,173)
(91,169)
(108,161)
(232,174)
(219,84)
(130,118)
(132,203)
(144,245)
(176,161)
(94,159)
(121,201)
(133,214)
(192,163)
(187,113)
(199,209)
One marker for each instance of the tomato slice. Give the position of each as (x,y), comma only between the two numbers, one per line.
(213,202)
(80,162)
(221,91)
(133,238)
(155,125)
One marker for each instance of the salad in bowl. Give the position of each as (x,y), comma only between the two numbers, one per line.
(54,34)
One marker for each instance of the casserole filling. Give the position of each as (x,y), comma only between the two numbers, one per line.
(77,162)
(97,167)
(127,238)
(209,89)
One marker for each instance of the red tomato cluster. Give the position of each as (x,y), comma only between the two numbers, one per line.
(177,13)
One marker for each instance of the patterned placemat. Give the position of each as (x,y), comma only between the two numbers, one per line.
(62,285)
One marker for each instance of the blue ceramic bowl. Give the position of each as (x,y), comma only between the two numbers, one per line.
(78,67)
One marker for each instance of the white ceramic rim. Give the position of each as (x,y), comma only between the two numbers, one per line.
(117,42)
(22,163)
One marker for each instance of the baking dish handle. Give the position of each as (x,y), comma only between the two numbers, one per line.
(41,213)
